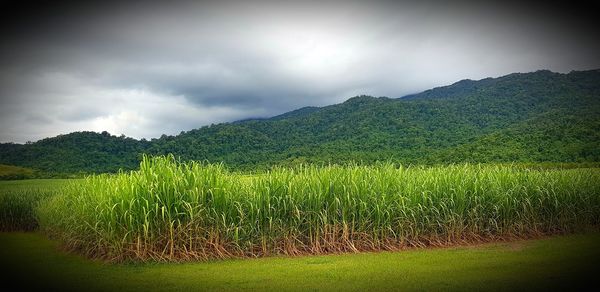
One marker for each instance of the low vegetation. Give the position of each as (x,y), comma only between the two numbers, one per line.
(11,172)
(19,199)
(169,210)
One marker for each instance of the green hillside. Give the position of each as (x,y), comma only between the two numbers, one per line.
(75,152)
(10,172)
(522,117)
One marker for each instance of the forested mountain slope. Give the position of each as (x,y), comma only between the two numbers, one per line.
(523,117)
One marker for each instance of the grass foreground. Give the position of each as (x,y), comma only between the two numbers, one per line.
(555,263)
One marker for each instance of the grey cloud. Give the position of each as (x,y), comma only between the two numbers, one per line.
(144,69)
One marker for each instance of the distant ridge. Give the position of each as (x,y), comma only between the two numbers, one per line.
(296,113)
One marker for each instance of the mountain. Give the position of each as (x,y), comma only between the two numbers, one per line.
(522,117)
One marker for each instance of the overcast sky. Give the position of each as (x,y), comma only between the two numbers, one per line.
(145,69)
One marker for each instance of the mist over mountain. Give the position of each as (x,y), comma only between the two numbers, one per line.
(522,117)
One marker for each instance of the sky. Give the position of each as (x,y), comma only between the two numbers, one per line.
(144,69)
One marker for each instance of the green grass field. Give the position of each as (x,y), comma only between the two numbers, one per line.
(568,262)
(551,264)
(20,198)
(29,184)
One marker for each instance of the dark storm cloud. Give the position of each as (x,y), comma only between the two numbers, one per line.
(147,68)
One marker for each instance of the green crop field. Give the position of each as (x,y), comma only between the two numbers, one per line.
(169,210)
(340,208)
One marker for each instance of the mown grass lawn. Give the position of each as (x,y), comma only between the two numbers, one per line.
(30,260)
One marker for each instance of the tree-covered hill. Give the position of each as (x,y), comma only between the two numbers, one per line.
(76,152)
(523,117)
